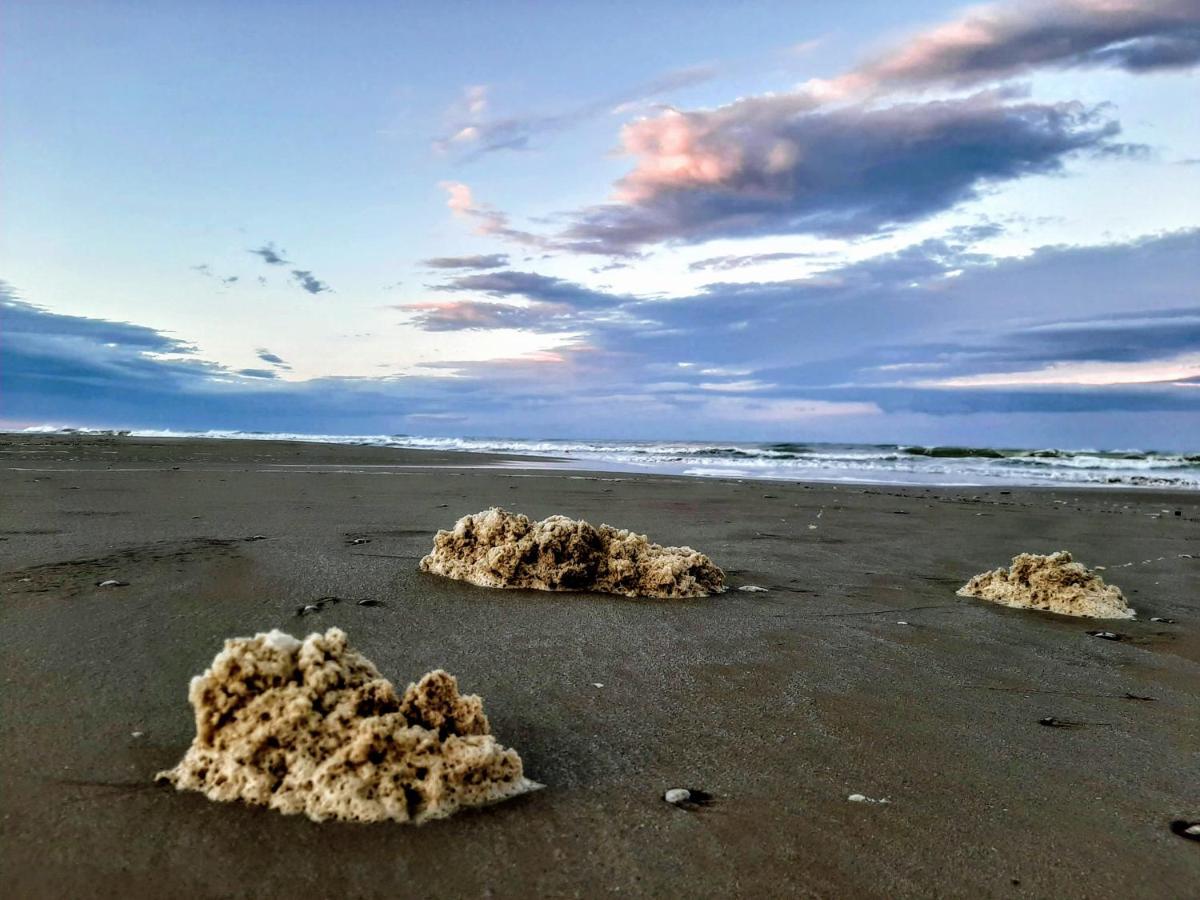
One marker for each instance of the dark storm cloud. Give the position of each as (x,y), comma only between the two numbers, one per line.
(489,261)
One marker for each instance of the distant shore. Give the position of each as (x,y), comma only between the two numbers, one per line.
(856,672)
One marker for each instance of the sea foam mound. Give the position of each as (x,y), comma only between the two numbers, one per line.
(505,550)
(311,727)
(1054,583)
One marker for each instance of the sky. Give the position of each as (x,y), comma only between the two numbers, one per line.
(911,222)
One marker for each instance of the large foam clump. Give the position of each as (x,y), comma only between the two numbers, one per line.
(311,727)
(504,550)
(1054,583)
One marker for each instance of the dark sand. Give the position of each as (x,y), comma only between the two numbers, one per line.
(781,704)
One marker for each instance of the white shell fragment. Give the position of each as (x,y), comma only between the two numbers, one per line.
(863,798)
(677,795)
(752,589)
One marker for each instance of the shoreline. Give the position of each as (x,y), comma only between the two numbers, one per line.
(857,671)
(566,463)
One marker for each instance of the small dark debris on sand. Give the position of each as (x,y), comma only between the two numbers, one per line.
(1052,722)
(1109,635)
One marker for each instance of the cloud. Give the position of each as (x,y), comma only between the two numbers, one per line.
(785,412)
(847,156)
(1085,374)
(305,279)
(468,315)
(268,357)
(1001,41)
(206,270)
(746,170)
(481,136)
(489,261)
(270,255)
(532,286)
(488,221)
(935,342)
(724,263)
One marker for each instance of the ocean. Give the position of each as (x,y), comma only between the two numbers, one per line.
(802,461)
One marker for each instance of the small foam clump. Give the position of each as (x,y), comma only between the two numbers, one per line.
(1054,583)
(311,727)
(504,550)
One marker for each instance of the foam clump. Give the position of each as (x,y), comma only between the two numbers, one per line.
(1054,583)
(500,549)
(312,727)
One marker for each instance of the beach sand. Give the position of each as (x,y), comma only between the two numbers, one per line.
(781,704)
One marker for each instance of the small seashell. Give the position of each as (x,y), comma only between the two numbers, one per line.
(359,541)
(597,684)
(1107,635)
(752,589)
(136,734)
(1163,619)
(307,610)
(677,795)
(112,582)
(369,601)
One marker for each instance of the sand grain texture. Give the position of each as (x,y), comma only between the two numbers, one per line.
(311,727)
(500,549)
(1054,583)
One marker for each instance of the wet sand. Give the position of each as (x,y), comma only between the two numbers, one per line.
(781,703)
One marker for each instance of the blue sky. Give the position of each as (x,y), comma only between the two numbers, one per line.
(913,221)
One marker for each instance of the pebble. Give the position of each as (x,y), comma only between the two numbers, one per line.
(136,734)
(1163,619)
(677,795)
(1106,635)
(597,684)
